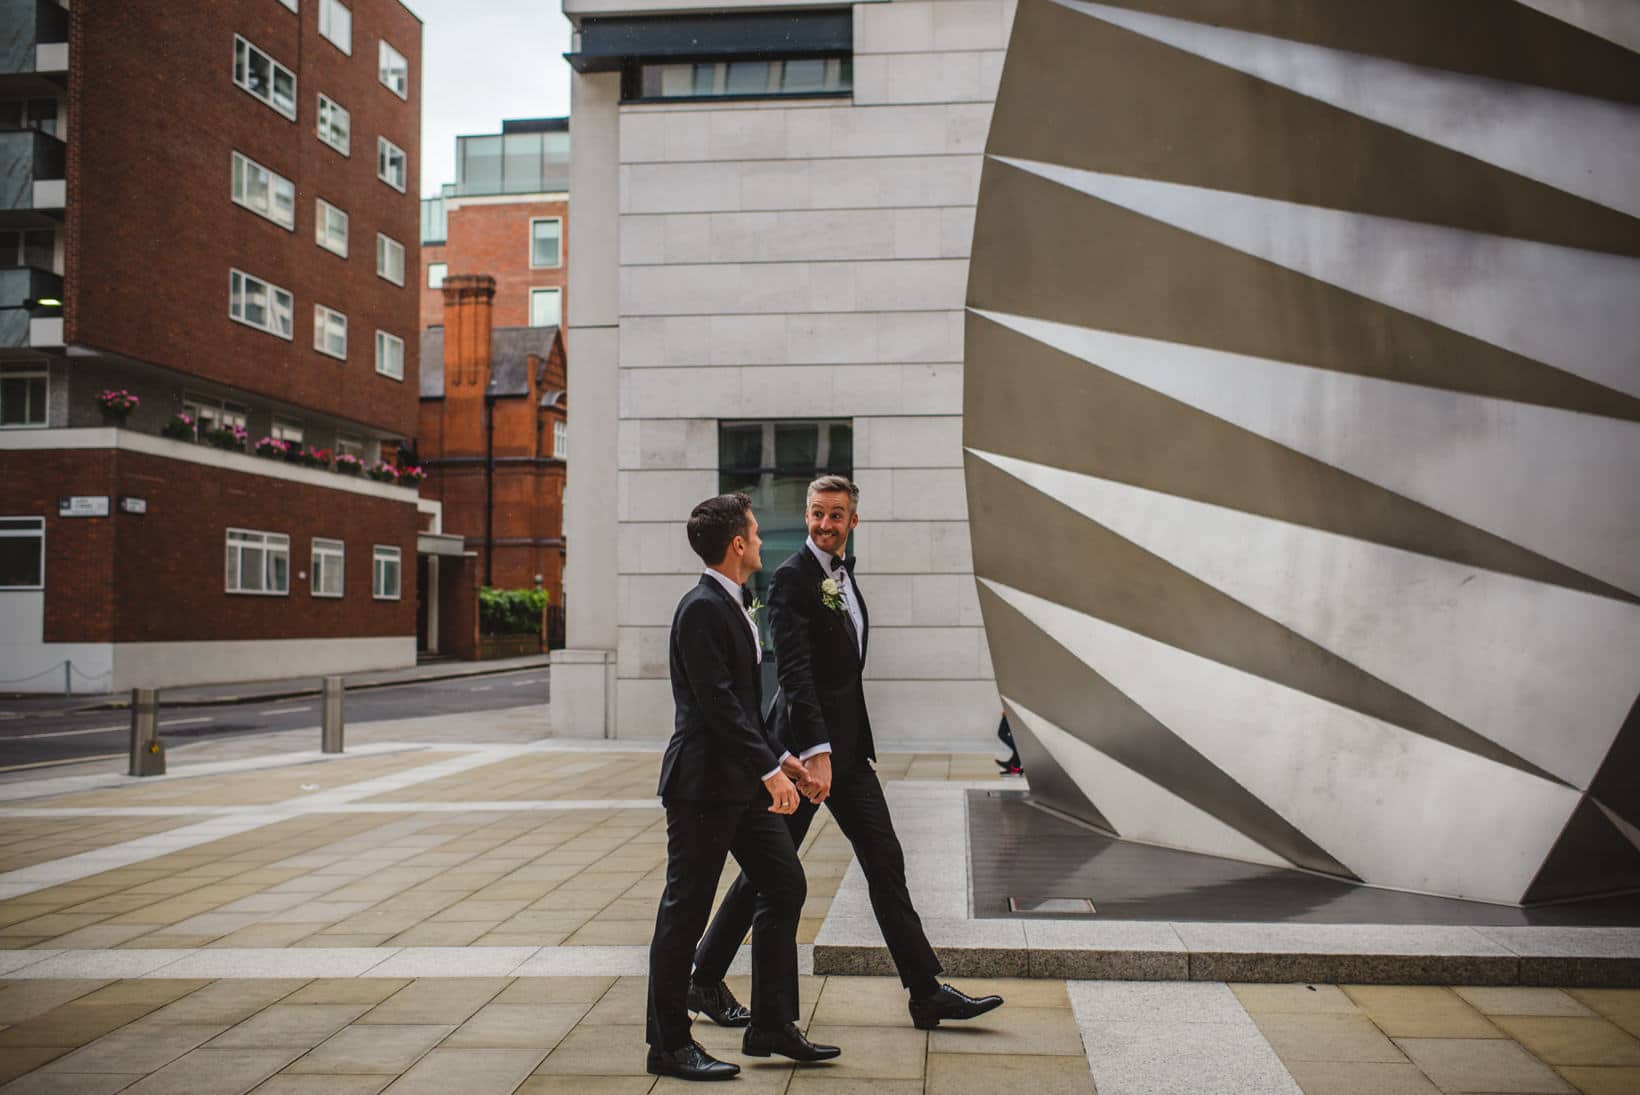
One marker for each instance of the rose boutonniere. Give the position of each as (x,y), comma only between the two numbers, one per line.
(831,595)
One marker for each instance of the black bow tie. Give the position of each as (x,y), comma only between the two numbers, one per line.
(746,598)
(834,562)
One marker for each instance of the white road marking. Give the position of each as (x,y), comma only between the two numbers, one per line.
(285,710)
(185,722)
(64,733)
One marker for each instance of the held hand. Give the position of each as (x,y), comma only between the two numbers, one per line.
(795,770)
(783,793)
(818,786)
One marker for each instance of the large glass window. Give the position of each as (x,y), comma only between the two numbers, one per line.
(259,304)
(23,391)
(390,355)
(210,413)
(385,573)
(22,552)
(774,462)
(389,259)
(264,77)
(394,71)
(392,165)
(560,439)
(336,24)
(327,567)
(335,125)
(436,273)
(263,192)
(258,562)
(743,79)
(546,307)
(545,233)
(329,331)
(330,227)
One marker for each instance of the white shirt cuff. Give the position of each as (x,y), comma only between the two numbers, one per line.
(784,755)
(769,773)
(814,751)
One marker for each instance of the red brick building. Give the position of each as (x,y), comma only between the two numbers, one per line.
(505,216)
(492,437)
(233,234)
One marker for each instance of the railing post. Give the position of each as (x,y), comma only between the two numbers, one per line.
(147,754)
(68,678)
(332,735)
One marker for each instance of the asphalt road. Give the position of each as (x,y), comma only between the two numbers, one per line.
(44,739)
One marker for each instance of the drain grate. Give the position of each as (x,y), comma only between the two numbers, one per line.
(1078,906)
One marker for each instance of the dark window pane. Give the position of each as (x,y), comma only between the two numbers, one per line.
(20,561)
(808,75)
(840,460)
(705,79)
(795,446)
(748,78)
(741,446)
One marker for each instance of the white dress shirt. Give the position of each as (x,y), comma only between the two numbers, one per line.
(851,602)
(733,589)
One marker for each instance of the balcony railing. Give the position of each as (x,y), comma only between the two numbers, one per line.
(29,158)
(19,289)
(33,37)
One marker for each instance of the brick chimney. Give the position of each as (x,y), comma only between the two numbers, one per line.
(468,308)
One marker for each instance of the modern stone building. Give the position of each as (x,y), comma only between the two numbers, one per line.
(772,212)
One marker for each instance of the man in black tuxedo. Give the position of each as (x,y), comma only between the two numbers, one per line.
(722,785)
(821,629)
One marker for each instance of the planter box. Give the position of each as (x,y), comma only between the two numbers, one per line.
(508,646)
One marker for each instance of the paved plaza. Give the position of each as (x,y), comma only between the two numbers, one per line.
(455,905)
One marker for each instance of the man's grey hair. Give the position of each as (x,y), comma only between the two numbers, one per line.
(836,484)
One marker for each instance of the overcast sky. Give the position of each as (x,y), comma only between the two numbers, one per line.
(486,60)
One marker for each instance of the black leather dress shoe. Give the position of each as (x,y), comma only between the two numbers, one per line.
(788,1041)
(719,1005)
(690,1063)
(949,1003)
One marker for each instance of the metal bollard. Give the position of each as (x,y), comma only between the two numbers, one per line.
(332,693)
(147,754)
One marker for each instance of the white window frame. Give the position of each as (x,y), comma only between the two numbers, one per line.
(287,429)
(328,322)
(242,47)
(393,70)
(336,25)
(275,307)
(272,546)
(38,531)
(386,247)
(385,150)
(291,4)
(324,552)
(558,248)
(30,371)
(558,294)
(334,116)
(324,219)
(560,439)
(381,554)
(385,341)
(351,443)
(436,273)
(240,170)
(218,412)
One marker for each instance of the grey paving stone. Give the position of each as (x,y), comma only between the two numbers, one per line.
(358,1050)
(454,962)
(1159,1058)
(469,1071)
(1124,951)
(585,962)
(277,962)
(1128,1002)
(1491,1065)
(301,1026)
(106,964)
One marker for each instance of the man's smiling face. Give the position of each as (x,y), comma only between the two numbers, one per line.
(830,518)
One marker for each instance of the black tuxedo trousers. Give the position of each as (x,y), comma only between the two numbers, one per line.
(861,811)
(699,835)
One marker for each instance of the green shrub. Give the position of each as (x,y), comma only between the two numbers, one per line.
(511,611)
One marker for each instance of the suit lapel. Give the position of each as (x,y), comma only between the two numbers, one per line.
(744,638)
(856,641)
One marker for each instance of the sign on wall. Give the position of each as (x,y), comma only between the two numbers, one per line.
(83,506)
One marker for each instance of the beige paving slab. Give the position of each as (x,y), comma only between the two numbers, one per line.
(302,1026)
(1621,1006)
(23,1000)
(1563,1040)
(70,1026)
(1360,1078)
(1325,1037)
(43,1082)
(555,990)
(970,1073)
(15,1062)
(218,1071)
(860,1001)
(598,1051)
(517,1026)
(886,1053)
(227,1002)
(1491,1065)
(816,1082)
(469,1071)
(1603,1081)
(1518,1000)
(347,990)
(1296,999)
(287,1084)
(436,1000)
(140,1048)
(624,1004)
(387,1049)
(1420,1011)
(1011,1030)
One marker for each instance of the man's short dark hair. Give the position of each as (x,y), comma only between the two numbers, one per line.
(714,524)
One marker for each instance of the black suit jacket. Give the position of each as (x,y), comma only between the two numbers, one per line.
(719,750)
(821,697)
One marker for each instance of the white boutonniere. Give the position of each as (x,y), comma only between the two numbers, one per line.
(831,595)
(754,609)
